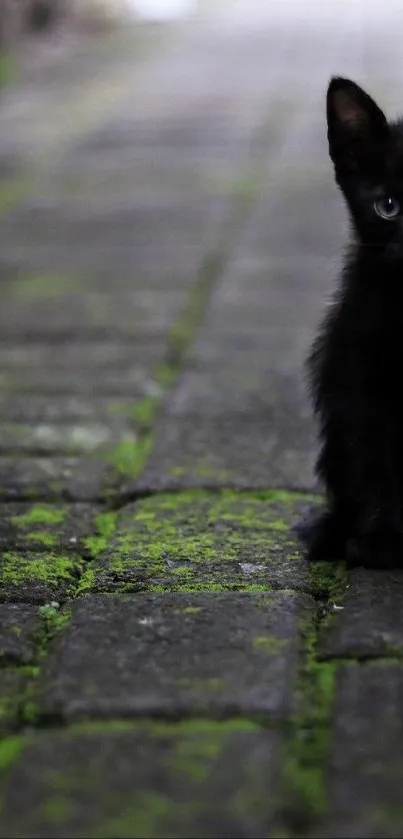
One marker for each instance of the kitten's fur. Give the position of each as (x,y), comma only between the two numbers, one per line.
(356,364)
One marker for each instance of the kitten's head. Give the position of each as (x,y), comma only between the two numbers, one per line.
(367,153)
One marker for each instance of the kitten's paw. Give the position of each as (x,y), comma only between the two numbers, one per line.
(323,537)
(382,549)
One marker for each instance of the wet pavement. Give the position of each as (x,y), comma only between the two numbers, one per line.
(169,236)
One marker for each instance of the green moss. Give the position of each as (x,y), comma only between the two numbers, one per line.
(191,610)
(42,537)
(210,685)
(54,618)
(10,750)
(129,457)
(269,644)
(29,711)
(32,287)
(87,583)
(194,756)
(144,412)
(53,621)
(31,493)
(304,776)
(164,375)
(7,68)
(176,471)
(105,525)
(49,568)
(41,514)
(98,583)
(305,789)
(56,810)
(200,541)
(11,193)
(15,684)
(184,329)
(328,580)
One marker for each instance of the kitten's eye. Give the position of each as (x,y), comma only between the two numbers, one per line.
(387,208)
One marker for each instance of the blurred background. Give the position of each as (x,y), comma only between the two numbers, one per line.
(169,224)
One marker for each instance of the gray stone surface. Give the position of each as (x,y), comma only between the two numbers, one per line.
(54,478)
(167,654)
(241,409)
(364,771)
(74,438)
(233,451)
(134,377)
(179,221)
(200,779)
(14,681)
(19,626)
(66,411)
(204,542)
(369,625)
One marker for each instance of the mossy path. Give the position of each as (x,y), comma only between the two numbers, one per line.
(170,665)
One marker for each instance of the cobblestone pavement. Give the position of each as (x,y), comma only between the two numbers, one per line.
(169,235)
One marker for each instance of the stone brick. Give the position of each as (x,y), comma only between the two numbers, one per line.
(19,624)
(173,655)
(369,624)
(365,766)
(38,577)
(196,778)
(43,527)
(204,542)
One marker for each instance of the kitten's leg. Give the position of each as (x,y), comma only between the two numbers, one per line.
(367,486)
(324,537)
(381,549)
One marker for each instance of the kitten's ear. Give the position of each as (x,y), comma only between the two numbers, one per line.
(356,126)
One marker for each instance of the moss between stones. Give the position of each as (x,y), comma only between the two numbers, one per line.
(87,583)
(305,792)
(129,457)
(305,796)
(53,621)
(144,412)
(105,525)
(328,580)
(164,375)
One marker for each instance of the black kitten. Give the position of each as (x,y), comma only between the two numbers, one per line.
(357,359)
